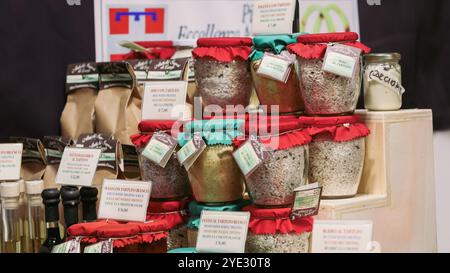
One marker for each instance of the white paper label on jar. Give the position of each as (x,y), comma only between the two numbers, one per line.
(388,78)
(250,156)
(100,247)
(160,148)
(72,246)
(189,153)
(341,60)
(274,67)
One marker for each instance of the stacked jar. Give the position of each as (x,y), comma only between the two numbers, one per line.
(175,213)
(271,90)
(222,72)
(330,80)
(87,232)
(195,211)
(273,230)
(170,184)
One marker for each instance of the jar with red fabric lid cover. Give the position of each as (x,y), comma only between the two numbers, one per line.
(175,213)
(152,235)
(170,182)
(336,153)
(286,167)
(153,50)
(87,232)
(327,93)
(222,72)
(272,230)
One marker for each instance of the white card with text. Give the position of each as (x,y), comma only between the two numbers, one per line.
(164,100)
(78,166)
(10,161)
(273,17)
(222,231)
(124,200)
(342,236)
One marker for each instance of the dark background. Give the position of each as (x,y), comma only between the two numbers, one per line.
(41,37)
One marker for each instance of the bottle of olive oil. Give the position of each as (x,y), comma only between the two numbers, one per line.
(10,192)
(35,214)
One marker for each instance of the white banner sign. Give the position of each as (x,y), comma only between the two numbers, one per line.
(124,200)
(10,161)
(181,21)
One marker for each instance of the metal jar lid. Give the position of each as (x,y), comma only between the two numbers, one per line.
(382,57)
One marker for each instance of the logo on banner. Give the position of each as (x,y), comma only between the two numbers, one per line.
(120,20)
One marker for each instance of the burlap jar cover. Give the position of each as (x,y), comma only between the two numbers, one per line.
(170,182)
(214,176)
(275,231)
(337,151)
(326,93)
(286,166)
(285,95)
(222,71)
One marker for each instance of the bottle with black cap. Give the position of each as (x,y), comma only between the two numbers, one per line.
(89,203)
(70,196)
(50,198)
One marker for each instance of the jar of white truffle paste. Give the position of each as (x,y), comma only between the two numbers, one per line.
(323,92)
(336,154)
(275,231)
(383,88)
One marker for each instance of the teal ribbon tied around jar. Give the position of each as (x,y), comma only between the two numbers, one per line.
(213,131)
(272,43)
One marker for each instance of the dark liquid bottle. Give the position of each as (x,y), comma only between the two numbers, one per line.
(89,203)
(70,199)
(50,198)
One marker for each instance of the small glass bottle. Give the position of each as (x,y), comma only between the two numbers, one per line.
(35,214)
(27,245)
(50,198)
(89,203)
(10,192)
(70,198)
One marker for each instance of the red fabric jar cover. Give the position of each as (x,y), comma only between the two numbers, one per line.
(224,49)
(276,221)
(314,46)
(148,127)
(87,231)
(155,50)
(290,132)
(340,128)
(151,231)
(173,212)
(122,234)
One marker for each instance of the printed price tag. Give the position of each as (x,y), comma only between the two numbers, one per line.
(191,151)
(341,60)
(10,161)
(273,17)
(78,166)
(124,200)
(101,247)
(275,67)
(160,148)
(343,236)
(307,200)
(72,246)
(164,100)
(250,156)
(222,232)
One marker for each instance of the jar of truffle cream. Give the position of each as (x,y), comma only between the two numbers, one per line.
(383,88)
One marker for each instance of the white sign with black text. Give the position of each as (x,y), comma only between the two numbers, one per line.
(273,17)
(10,161)
(78,166)
(164,100)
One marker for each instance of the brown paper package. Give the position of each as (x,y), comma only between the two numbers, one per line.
(54,146)
(81,89)
(33,158)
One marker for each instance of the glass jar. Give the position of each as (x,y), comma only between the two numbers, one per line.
(11,241)
(274,231)
(286,166)
(272,92)
(87,232)
(383,82)
(336,154)
(326,93)
(222,72)
(214,176)
(35,215)
(153,236)
(176,216)
(195,210)
(170,182)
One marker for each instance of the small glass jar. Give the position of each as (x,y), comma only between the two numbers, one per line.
(170,182)
(326,93)
(336,154)
(176,216)
(215,176)
(274,231)
(222,72)
(383,82)
(87,232)
(286,166)
(285,95)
